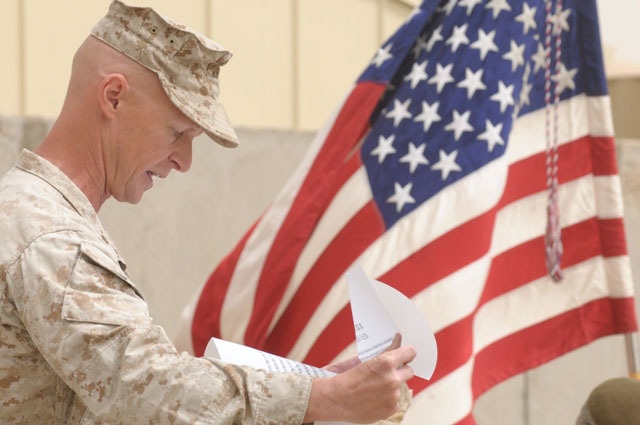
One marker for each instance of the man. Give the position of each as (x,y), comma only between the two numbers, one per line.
(615,401)
(77,345)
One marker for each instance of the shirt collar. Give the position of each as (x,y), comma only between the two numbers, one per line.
(34,164)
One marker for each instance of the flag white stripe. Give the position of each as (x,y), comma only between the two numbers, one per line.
(238,302)
(445,402)
(608,196)
(516,223)
(527,136)
(517,310)
(235,315)
(352,196)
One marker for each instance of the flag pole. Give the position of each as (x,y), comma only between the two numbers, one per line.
(633,354)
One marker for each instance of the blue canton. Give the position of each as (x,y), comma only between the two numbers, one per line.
(458,74)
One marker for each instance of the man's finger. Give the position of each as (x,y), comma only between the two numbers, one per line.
(396,343)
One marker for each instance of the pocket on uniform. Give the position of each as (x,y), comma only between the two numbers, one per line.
(98,291)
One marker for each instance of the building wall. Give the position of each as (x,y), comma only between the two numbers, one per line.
(293,60)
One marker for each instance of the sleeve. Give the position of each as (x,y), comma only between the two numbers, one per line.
(94,329)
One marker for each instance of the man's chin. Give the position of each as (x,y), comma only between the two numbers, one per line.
(129,198)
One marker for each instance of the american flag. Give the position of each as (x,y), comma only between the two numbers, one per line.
(473,128)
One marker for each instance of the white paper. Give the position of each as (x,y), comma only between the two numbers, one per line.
(373,326)
(379,311)
(246,356)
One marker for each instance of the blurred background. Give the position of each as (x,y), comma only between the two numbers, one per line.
(294,60)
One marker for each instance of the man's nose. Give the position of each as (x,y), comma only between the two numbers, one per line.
(182,157)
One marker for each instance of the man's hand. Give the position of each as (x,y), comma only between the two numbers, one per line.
(364,392)
(345,365)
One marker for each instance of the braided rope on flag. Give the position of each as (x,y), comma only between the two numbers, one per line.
(553,235)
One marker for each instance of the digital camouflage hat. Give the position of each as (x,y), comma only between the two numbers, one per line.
(187,63)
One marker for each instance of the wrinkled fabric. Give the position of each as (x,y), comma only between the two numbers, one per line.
(77,344)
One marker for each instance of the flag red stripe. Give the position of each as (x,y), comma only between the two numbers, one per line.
(603,156)
(532,346)
(467,420)
(528,175)
(311,202)
(320,278)
(530,267)
(581,241)
(501,273)
(613,237)
(206,317)
(438,252)
(479,268)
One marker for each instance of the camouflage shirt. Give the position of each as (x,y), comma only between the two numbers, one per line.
(77,345)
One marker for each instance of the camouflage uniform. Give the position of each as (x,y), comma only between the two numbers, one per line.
(77,345)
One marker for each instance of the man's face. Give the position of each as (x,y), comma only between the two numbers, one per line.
(154,138)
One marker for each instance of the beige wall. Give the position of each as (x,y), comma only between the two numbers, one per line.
(293,59)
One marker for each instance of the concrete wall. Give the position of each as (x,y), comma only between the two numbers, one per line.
(186,224)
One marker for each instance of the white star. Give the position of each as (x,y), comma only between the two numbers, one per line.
(527,72)
(418,73)
(384,148)
(415,156)
(515,55)
(524,93)
(485,43)
(459,124)
(472,82)
(435,37)
(458,37)
(402,196)
(400,111)
(421,44)
(492,135)
(448,7)
(516,112)
(564,78)
(497,6)
(539,58)
(469,4)
(429,115)
(527,17)
(446,164)
(442,77)
(560,21)
(504,95)
(382,55)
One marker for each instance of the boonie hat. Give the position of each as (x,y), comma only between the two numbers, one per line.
(187,63)
(616,401)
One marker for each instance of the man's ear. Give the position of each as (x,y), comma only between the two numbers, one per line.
(111,90)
